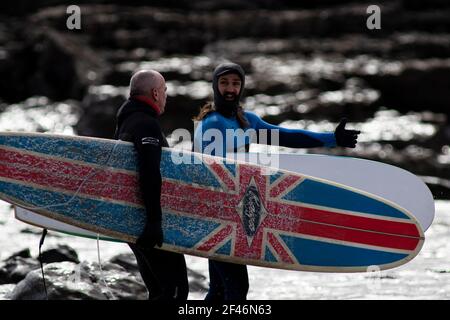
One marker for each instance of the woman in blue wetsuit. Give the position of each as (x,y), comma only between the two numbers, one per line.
(229,281)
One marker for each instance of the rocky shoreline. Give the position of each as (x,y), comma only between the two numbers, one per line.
(67,278)
(304,64)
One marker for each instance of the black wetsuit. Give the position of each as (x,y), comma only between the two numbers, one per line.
(164,273)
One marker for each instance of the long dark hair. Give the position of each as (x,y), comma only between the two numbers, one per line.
(209,107)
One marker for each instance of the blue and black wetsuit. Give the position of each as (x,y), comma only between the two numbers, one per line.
(208,129)
(229,281)
(225,127)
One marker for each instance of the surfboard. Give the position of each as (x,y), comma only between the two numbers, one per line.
(386,181)
(225,210)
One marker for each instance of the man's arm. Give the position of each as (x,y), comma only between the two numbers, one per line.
(148,144)
(293,138)
(297,138)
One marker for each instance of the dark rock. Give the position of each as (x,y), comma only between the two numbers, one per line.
(404,45)
(56,76)
(418,85)
(127,261)
(17,266)
(100,106)
(63,64)
(16,269)
(59,254)
(24,7)
(440,188)
(25,253)
(85,281)
(190,31)
(43,61)
(118,279)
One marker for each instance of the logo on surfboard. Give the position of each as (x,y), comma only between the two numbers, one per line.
(251,210)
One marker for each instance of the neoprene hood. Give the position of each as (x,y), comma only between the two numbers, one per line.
(225,107)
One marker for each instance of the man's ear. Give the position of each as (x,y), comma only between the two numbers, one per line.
(155,94)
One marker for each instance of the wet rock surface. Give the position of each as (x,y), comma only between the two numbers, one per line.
(60,254)
(68,279)
(15,268)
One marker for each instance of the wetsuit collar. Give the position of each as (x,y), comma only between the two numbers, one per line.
(148,101)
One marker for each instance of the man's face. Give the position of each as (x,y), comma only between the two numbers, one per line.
(229,86)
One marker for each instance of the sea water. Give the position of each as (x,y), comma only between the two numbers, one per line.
(426,277)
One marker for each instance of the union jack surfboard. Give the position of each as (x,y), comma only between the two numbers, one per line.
(219,209)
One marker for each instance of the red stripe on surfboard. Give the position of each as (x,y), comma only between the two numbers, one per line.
(182,191)
(345,220)
(224,175)
(62,168)
(193,207)
(46,173)
(344,234)
(73,185)
(216,239)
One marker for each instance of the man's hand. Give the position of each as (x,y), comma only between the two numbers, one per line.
(346,138)
(151,236)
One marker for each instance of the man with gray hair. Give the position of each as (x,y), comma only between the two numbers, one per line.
(163,272)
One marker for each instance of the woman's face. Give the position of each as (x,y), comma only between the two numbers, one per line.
(229,86)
